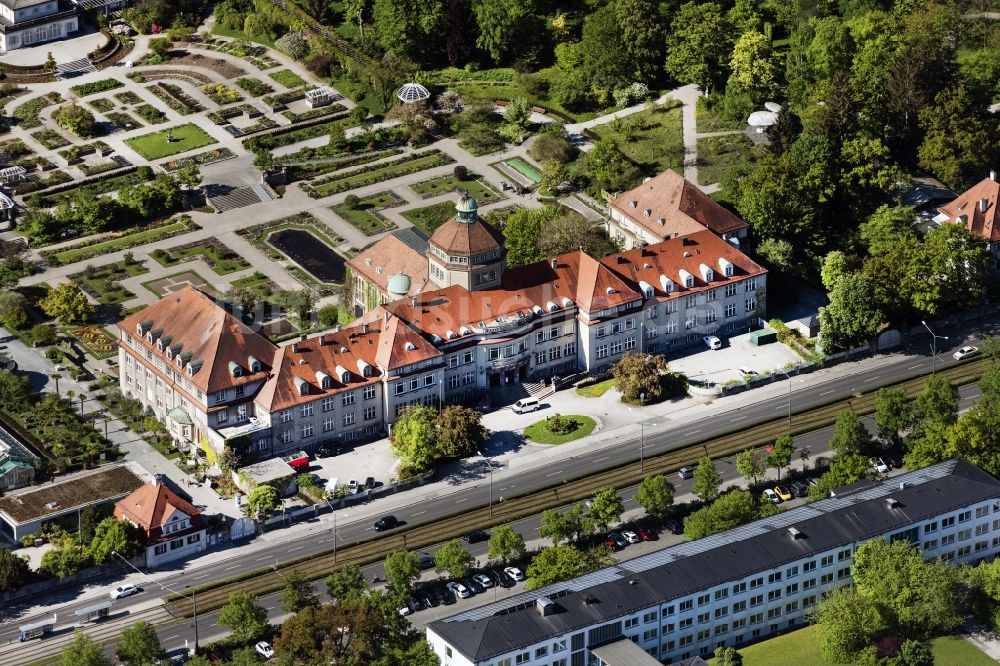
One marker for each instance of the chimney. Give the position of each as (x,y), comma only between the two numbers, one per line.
(304,337)
(336,328)
(156,480)
(545,606)
(295,348)
(684,240)
(555,264)
(413,302)
(983,204)
(993,175)
(364,328)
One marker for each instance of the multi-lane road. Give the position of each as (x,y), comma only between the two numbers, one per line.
(660,435)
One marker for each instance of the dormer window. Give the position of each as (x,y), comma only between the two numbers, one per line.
(302,386)
(190,369)
(138,329)
(345,377)
(149,337)
(647,212)
(253,364)
(326,383)
(689,282)
(410,346)
(170,354)
(159,345)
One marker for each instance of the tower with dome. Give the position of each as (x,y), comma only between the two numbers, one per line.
(466,251)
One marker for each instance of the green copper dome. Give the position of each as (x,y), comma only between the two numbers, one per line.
(467,209)
(399,284)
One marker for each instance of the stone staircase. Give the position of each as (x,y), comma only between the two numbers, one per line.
(539,390)
(511,393)
(75,67)
(240,197)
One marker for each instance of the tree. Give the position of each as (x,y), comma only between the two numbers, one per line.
(521,233)
(835,266)
(564,526)
(554,174)
(959,137)
(410,28)
(914,653)
(781,452)
(642,32)
(139,644)
(459,47)
(916,597)
(83,651)
(555,563)
(605,509)
(297,593)
(845,468)
(114,536)
(293,45)
(502,25)
(729,510)
(609,168)
(261,502)
(604,61)
(14,571)
(13,309)
(453,558)
(847,623)
(852,317)
(886,227)
(849,434)
(752,65)
(728,656)
(243,616)
(937,403)
(656,495)
(245,297)
(697,45)
(346,583)
(751,465)
(401,569)
(569,232)
(328,315)
(458,432)
(76,119)
(300,301)
(640,374)
(893,414)
(67,301)
(955,268)
(506,544)
(15,391)
(63,562)
(413,437)
(706,480)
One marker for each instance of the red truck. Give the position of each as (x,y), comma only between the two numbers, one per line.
(299,461)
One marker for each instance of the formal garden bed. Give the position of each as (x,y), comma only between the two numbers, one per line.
(653,139)
(175,98)
(288,78)
(259,284)
(320,167)
(123,121)
(101,104)
(595,389)
(200,159)
(287,136)
(128,97)
(150,114)
(50,138)
(471,184)
(254,87)
(94,87)
(311,114)
(94,340)
(559,429)
(170,141)
(92,189)
(103,283)
(53,178)
(28,115)
(429,218)
(121,240)
(220,258)
(168,283)
(363,214)
(376,173)
(221,94)
(101,167)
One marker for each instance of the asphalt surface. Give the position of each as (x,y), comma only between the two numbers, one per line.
(660,435)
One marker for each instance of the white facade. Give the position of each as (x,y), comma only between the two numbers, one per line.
(34,24)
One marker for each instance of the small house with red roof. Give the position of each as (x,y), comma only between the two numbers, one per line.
(172,527)
(976,210)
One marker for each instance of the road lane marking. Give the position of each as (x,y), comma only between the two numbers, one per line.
(170,638)
(781,407)
(601,459)
(464,499)
(912,367)
(261,559)
(692,432)
(235,566)
(554,473)
(827,392)
(200,577)
(292,550)
(871,379)
(417,513)
(738,418)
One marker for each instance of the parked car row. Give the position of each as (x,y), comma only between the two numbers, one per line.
(436,595)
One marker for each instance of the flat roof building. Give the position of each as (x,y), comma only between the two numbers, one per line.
(731,588)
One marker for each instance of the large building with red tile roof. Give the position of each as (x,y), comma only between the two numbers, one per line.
(451,343)
(386,270)
(668,206)
(976,210)
(172,527)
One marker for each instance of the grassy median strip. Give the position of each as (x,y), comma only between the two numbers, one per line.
(271,579)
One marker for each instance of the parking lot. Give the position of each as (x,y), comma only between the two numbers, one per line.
(722,365)
(358,462)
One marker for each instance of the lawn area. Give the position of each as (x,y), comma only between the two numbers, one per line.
(429,218)
(183,138)
(709,117)
(365,216)
(596,390)
(539,432)
(652,139)
(219,257)
(259,284)
(376,174)
(476,188)
(717,154)
(801,648)
(240,35)
(287,78)
(104,282)
(126,241)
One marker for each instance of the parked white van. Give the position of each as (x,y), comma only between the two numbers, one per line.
(526,405)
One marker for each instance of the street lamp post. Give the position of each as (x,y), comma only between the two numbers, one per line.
(789,378)
(642,435)
(934,339)
(490,465)
(193,597)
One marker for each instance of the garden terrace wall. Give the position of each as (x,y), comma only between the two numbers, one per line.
(86,181)
(294,128)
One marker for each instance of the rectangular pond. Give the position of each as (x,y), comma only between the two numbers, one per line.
(309,252)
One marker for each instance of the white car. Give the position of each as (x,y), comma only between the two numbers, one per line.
(483,580)
(459,590)
(405,610)
(965,351)
(747,372)
(265,650)
(122,591)
(352,486)
(630,536)
(686,472)
(514,573)
(772,496)
(879,466)
(712,342)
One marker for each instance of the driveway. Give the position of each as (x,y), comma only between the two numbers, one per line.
(358,462)
(723,364)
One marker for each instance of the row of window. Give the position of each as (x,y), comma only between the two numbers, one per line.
(602,351)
